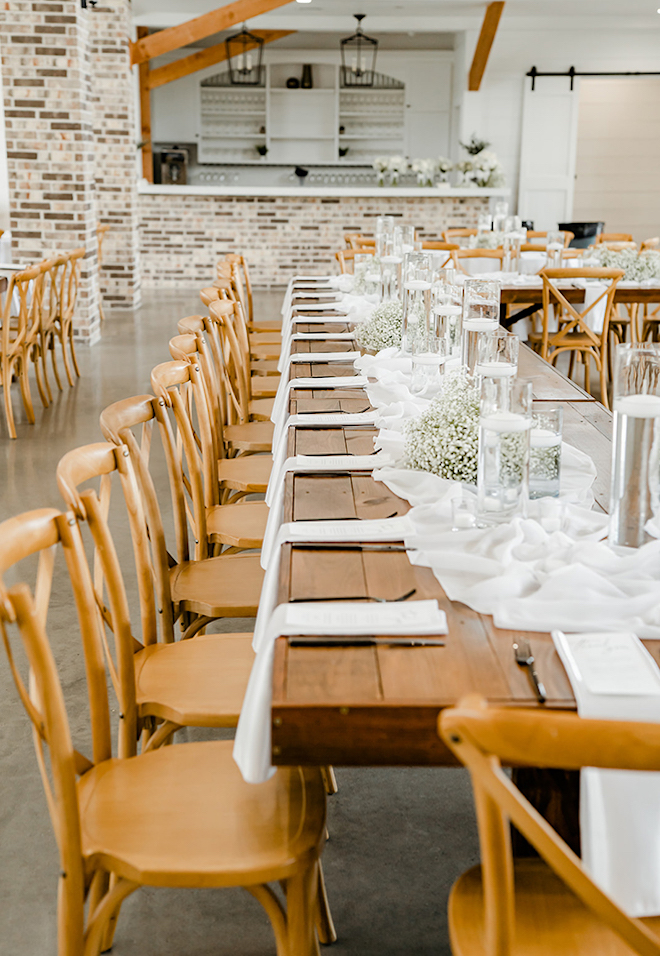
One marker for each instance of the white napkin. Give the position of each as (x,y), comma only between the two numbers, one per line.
(291,336)
(615,678)
(300,358)
(280,405)
(252,746)
(310,420)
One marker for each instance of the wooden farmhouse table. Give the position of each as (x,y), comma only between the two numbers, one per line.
(379,705)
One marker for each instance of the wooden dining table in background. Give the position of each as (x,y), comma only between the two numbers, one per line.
(379,705)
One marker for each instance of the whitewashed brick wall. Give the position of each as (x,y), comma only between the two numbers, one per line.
(182,237)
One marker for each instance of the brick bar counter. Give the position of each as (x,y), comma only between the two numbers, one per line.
(184,230)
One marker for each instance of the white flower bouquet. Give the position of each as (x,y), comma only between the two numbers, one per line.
(397,166)
(444,166)
(487,169)
(381,164)
(445,439)
(425,169)
(382,330)
(638,266)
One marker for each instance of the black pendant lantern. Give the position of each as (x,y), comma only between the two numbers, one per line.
(358,57)
(245,52)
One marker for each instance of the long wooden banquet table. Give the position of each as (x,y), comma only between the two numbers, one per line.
(379,705)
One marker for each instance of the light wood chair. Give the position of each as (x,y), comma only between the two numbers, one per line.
(101,230)
(243,283)
(346,260)
(355,240)
(20,343)
(459,233)
(243,390)
(192,346)
(533,234)
(606,237)
(70,282)
(574,334)
(199,588)
(459,254)
(510,907)
(189,683)
(650,244)
(178,816)
(264,346)
(179,385)
(231,284)
(50,311)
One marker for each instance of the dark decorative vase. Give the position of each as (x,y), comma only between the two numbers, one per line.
(307,81)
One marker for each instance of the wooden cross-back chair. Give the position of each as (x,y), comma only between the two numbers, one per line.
(459,254)
(225,480)
(648,245)
(263,349)
(197,587)
(178,816)
(613,237)
(346,260)
(193,345)
(574,334)
(245,398)
(101,230)
(70,279)
(459,232)
(543,233)
(20,343)
(241,274)
(161,684)
(50,311)
(506,907)
(359,242)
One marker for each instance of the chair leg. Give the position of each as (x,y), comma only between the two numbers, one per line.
(40,360)
(73,350)
(329,780)
(108,909)
(62,335)
(24,379)
(53,360)
(571,365)
(587,375)
(300,891)
(276,915)
(325,926)
(9,411)
(43,385)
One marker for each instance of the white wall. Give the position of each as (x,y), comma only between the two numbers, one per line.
(495,111)
(427,75)
(617,155)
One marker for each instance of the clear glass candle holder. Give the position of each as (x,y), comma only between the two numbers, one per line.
(362,266)
(407,238)
(429,354)
(384,229)
(416,298)
(511,244)
(635,488)
(481,313)
(497,354)
(391,265)
(554,245)
(464,514)
(500,213)
(545,451)
(505,421)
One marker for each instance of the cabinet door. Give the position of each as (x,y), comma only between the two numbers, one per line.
(547,151)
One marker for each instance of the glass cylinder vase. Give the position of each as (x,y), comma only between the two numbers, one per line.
(505,420)
(417,282)
(391,263)
(635,488)
(481,313)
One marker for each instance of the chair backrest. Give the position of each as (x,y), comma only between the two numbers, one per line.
(71,283)
(613,237)
(459,254)
(543,234)
(21,329)
(345,258)
(440,245)
(179,385)
(40,533)
(483,738)
(576,319)
(51,290)
(192,346)
(456,232)
(650,244)
(234,356)
(101,230)
(355,240)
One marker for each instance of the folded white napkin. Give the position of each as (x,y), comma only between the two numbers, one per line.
(300,358)
(310,420)
(252,746)
(280,405)
(343,282)
(615,678)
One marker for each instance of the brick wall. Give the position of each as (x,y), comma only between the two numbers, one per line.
(113,117)
(50,150)
(182,237)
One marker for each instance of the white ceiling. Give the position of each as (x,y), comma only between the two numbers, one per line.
(404,15)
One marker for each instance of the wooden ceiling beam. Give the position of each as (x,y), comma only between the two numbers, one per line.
(484,44)
(203,58)
(163,41)
(145,116)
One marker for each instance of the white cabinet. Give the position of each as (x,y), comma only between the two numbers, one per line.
(319,125)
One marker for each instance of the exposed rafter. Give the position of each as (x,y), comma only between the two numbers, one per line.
(163,41)
(145,116)
(203,58)
(484,44)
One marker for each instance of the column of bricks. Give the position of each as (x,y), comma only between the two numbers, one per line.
(47,83)
(115,144)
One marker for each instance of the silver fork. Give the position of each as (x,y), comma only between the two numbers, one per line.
(524,658)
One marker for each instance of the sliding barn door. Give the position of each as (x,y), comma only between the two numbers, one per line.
(548,150)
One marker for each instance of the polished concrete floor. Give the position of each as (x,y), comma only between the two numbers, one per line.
(399,837)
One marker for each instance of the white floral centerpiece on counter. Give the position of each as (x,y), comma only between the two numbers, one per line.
(444,166)
(397,166)
(483,168)
(638,266)
(445,439)
(382,330)
(425,170)
(381,164)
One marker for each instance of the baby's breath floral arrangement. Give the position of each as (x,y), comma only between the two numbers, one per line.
(445,438)
(637,265)
(382,330)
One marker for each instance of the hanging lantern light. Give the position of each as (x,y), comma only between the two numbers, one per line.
(358,57)
(245,52)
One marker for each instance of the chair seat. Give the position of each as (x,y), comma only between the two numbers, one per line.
(264,367)
(264,386)
(249,473)
(240,525)
(261,409)
(265,338)
(196,683)
(228,586)
(549,918)
(267,325)
(253,436)
(183,816)
(575,340)
(267,352)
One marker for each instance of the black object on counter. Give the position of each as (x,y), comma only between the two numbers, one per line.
(583,232)
(301,173)
(307,82)
(293,83)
